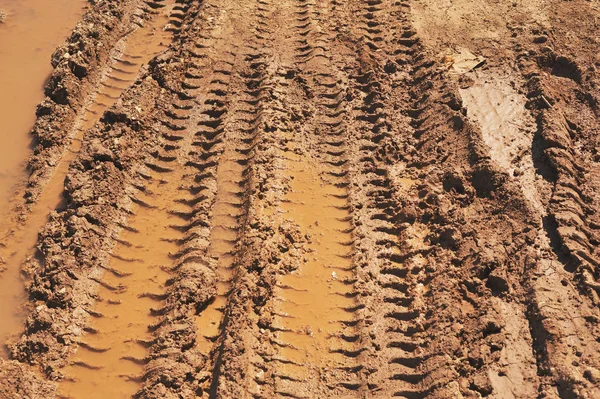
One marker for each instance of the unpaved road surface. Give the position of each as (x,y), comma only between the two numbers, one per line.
(308,199)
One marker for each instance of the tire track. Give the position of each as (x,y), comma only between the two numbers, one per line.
(407,223)
(112,355)
(240,361)
(130,53)
(132,290)
(229,218)
(221,172)
(220,152)
(313,339)
(217,158)
(415,349)
(279,257)
(396,318)
(400,314)
(566,255)
(248,125)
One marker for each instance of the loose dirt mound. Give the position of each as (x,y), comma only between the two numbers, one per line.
(316,200)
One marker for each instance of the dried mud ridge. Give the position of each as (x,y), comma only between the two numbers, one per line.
(287,199)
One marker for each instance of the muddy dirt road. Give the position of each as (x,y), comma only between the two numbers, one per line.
(306,199)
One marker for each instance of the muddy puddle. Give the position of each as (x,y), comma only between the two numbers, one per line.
(315,306)
(130,54)
(28,36)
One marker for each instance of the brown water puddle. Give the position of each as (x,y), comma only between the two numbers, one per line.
(314,306)
(223,237)
(28,37)
(111,357)
(136,50)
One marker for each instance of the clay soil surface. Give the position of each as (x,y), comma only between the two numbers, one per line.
(300,199)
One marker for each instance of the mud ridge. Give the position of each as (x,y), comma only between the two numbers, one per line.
(565,220)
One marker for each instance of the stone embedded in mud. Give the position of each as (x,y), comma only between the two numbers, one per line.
(100,153)
(592,375)
(482,384)
(454,180)
(60,87)
(195,285)
(492,326)
(167,374)
(78,69)
(450,238)
(409,213)
(498,282)
(486,179)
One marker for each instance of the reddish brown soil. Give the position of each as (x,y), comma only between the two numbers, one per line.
(316,199)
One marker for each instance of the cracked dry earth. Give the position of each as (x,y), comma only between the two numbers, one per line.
(300,199)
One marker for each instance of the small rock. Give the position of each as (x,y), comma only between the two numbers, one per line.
(540,39)
(482,384)
(390,67)
(592,375)
(100,153)
(492,327)
(498,282)
(2,16)
(517,172)
(450,238)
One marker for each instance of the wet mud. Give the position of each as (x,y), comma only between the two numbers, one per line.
(300,199)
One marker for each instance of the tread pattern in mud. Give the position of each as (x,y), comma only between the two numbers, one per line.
(288,199)
(399,326)
(317,202)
